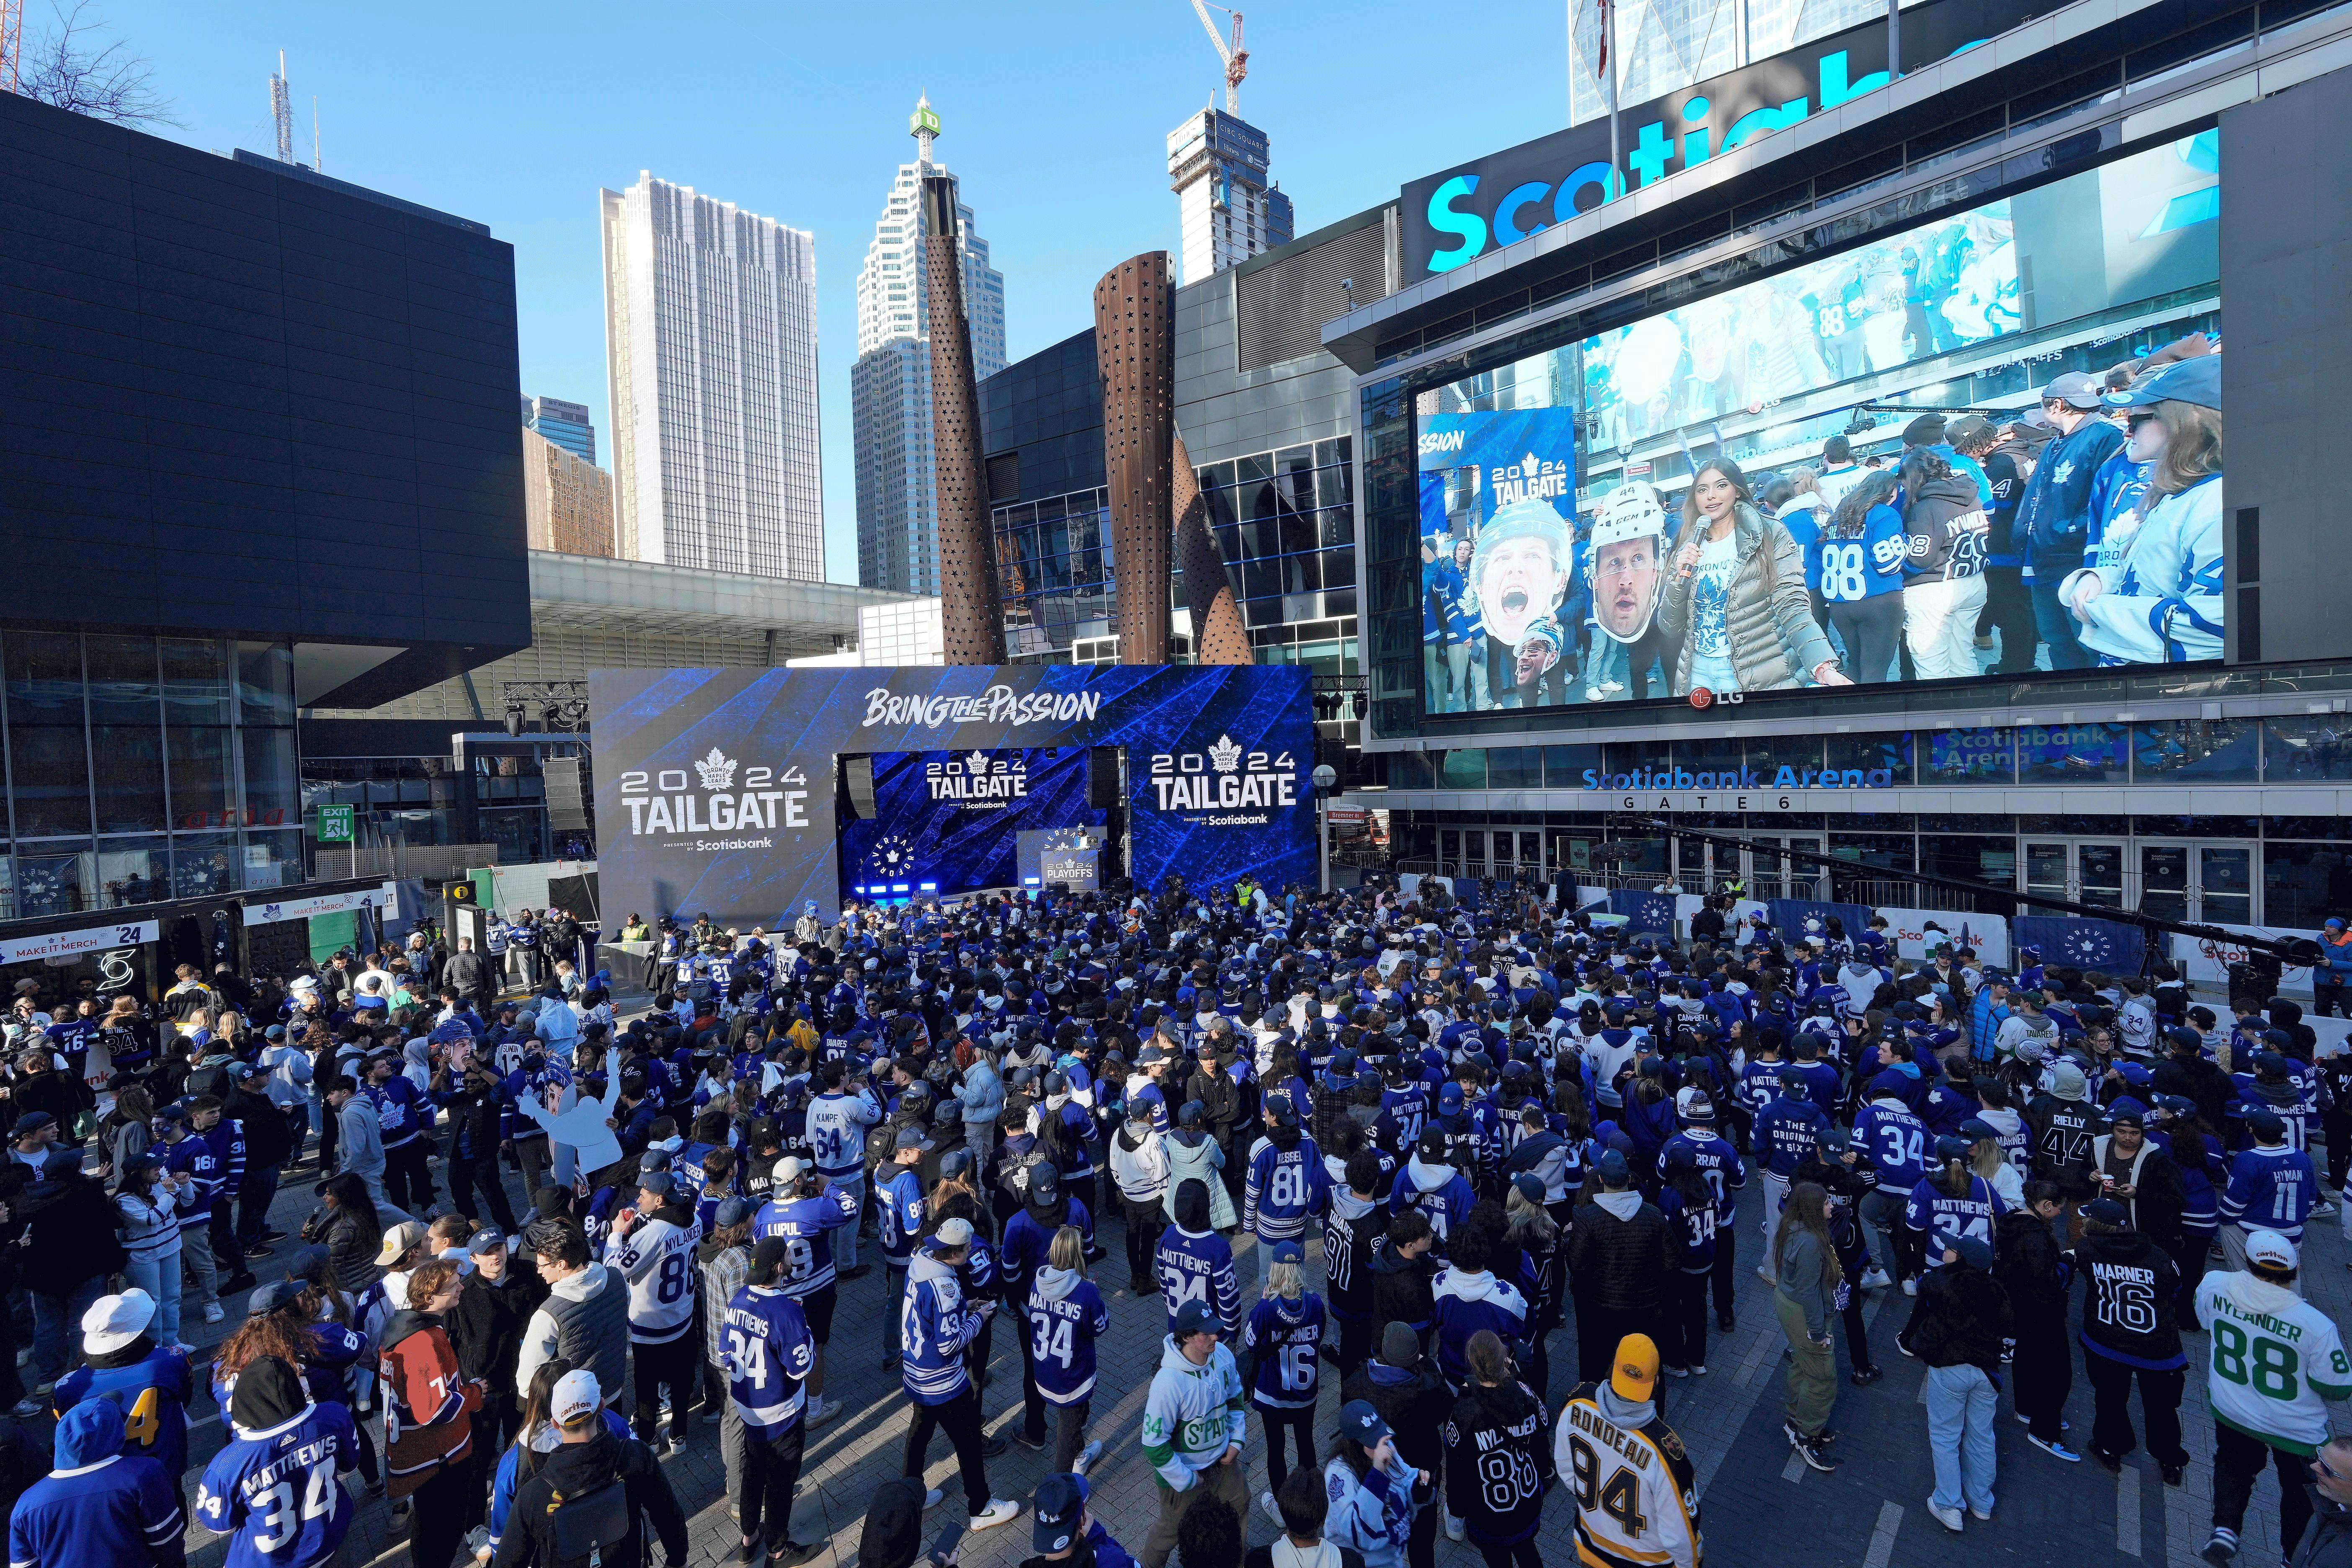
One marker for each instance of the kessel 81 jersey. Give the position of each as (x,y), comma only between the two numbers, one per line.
(1636,1497)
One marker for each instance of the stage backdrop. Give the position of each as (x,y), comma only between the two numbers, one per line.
(714,787)
(960,815)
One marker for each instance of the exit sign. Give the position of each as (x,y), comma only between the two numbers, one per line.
(335,824)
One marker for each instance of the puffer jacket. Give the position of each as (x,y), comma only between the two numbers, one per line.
(1775,642)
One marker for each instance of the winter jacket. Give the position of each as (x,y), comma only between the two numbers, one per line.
(1499,1502)
(2027,1265)
(2158,1195)
(1462,1304)
(1400,1288)
(71,1223)
(1191,1414)
(1221,1100)
(1618,1253)
(585,1319)
(1138,1163)
(982,1094)
(575,1469)
(1961,1319)
(2327,1540)
(1195,1157)
(1767,617)
(2056,511)
(486,1325)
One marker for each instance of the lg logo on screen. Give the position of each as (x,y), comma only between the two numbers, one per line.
(1701,697)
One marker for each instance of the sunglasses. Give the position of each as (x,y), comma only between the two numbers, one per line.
(2321,1467)
(2133,421)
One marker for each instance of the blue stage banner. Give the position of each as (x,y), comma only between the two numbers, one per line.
(953,820)
(2071,943)
(1650,914)
(1808,920)
(715,786)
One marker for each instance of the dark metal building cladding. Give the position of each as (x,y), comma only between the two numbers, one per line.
(1135,343)
(971,618)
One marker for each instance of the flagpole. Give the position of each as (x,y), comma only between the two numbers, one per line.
(1609,82)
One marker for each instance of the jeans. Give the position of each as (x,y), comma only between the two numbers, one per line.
(2238,1464)
(2011,610)
(480,1171)
(253,1201)
(160,1277)
(56,1325)
(1940,623)
(2055,623)
(897,1295)
(1961,1401)
(844,1240)
(1881,1220)
(1871,629)
(1776,1192)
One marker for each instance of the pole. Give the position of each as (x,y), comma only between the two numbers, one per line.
(1894,41)
(1609,80)
(1323,831)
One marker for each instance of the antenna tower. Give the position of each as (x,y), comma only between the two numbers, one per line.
(281,112)
(12,41)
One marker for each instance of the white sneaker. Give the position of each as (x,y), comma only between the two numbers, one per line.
(1875,1278)
(1766,1276)
(999,1512)
(1910,1286)
(1265,1501)
(2322,1209)
(1979,1512)
(1698,1369)
(1950,1517)
(1454,1530)
(1086,1456)
(931,1498)
(213,1313)
(822,1411)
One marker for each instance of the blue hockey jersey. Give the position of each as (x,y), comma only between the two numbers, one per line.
(1284,1339)
(274,1492)
(1197,1266)
(1463,1304)
(1897,1142)
(1787,1133)
(768,1356)
(898,1203)
(1285,1187)
(1946,1219)
(153,1392)
(1064,1314)
(2271,1189)
(99,1508)
(807,1226)
(1441,1192)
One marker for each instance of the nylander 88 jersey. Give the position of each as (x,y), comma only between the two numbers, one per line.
(656,1257)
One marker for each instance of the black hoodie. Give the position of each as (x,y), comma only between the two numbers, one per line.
(1400,1292)
(2131,1281)
(575,1469)
(2026,1262)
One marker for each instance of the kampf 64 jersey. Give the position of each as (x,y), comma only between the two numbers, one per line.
(1636,1498)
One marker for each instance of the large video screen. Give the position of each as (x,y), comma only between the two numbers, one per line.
(1987,444)
(948,822)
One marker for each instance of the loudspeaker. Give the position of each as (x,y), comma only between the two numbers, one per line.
(565,808)
(857,787)
(1103,786)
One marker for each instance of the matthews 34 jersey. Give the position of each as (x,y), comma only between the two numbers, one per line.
(274,1493)
(1637,1497)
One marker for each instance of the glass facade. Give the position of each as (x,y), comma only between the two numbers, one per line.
(141,768)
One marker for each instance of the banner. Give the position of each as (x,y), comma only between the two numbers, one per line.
(1808,920)
(715,786)
(1914,933)
(2086,945)
(70,943)
(1645,912)
(385,898)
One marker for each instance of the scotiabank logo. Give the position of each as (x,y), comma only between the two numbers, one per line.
(1223,777)
(718,800)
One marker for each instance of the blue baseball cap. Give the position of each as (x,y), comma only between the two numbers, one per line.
(2197,381)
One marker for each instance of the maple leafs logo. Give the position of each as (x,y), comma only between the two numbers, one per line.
(717,770)
(976,765)
(1224,756)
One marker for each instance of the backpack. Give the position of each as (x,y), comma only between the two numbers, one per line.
(595,1529)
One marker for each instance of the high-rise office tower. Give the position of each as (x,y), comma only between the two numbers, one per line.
(1662,46)
(1217,167)
(710,340)
(889,385)
(568,424)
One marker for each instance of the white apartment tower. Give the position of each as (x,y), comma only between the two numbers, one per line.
(711,343)
(1217,167)
(890,384)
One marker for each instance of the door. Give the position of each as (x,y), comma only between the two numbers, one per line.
(2208,883)
(1771,876)
(2082,870)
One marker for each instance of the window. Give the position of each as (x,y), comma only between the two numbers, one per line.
(1971,756)
(2071,753)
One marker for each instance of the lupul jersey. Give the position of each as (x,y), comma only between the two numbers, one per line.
(807,1226)
(274,1492)
(2275,1360)
(768,1356)
(656,1257)
(1636,1497)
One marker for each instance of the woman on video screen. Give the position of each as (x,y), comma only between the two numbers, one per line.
(1735,600)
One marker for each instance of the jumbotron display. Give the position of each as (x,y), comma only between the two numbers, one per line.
(1985,445)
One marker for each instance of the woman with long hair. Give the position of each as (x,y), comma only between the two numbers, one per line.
(125,1132)
(534,1440)
(1734,602)
(1063,1315)
(1944,529)
(1803,1295)
(1950,1202)
(2164,604)
(1374,1519)
(1501,1503)
(1533,1230)
(1283,1337)
(345,1223)
(1861,576)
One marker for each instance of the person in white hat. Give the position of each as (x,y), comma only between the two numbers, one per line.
(2274,1362)
(150,1382)
(587,1457)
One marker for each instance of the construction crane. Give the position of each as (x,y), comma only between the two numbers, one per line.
(1237,57)
(12,42)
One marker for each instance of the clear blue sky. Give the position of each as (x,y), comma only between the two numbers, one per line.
(1055,119)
